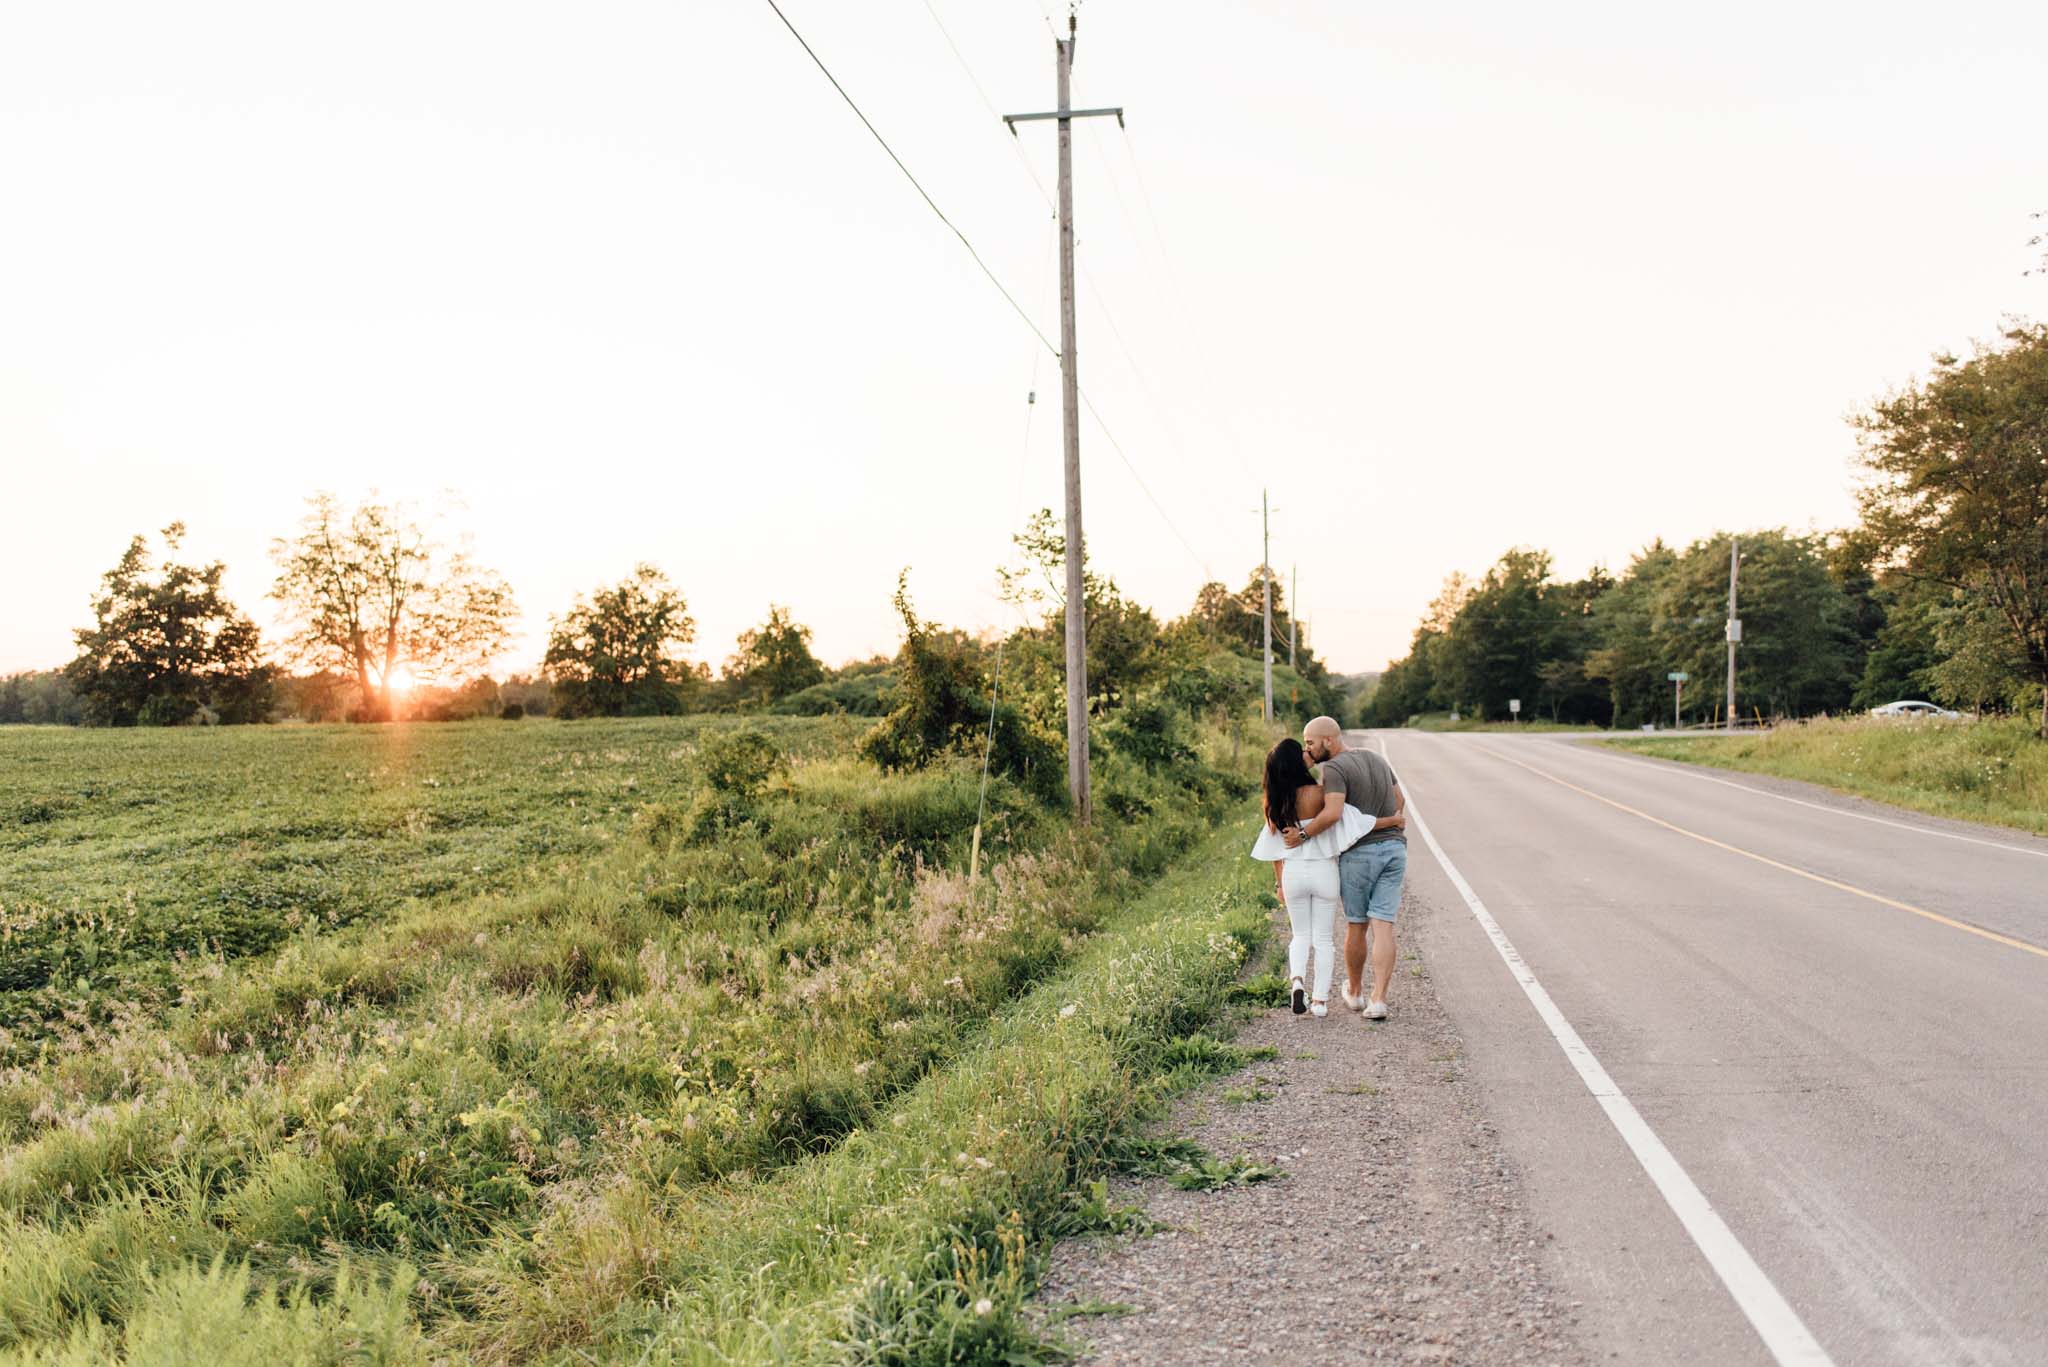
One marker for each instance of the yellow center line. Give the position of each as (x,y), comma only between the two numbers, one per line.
(1810,876)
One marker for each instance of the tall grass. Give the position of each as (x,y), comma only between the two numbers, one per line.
(1994,770)
(445,1102)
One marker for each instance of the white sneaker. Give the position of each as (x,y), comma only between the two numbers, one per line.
(1319,1009)
(1351,1002)
(1375,1011)
(1297,996)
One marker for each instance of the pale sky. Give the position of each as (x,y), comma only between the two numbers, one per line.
(633,281)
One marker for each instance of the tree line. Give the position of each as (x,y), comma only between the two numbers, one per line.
(1940,590)
(385,620)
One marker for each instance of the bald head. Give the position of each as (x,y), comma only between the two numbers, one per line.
(1322,738)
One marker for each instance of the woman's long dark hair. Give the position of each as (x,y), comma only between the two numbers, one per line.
(1286,774)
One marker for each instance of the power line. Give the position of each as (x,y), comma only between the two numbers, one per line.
(884,142)
(1016,145)
(1117,447)
(1173,282)
(1009,298)
(1101,304)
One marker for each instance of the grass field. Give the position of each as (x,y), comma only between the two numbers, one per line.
(133,856)
(663,1040)
(1994,771)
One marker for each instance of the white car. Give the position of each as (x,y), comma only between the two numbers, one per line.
(1914,709)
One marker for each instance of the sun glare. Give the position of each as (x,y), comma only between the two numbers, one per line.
(401,679)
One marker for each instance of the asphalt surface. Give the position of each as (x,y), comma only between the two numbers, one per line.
(1834,1015)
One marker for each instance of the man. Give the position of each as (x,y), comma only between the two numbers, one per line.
(1369,873)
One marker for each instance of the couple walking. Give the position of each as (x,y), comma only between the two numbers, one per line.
(1336,837)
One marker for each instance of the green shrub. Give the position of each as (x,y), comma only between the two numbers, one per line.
(740,764)
(859,695)
(1149,731)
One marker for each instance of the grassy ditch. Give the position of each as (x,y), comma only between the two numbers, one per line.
(429,1130)
(1993,771)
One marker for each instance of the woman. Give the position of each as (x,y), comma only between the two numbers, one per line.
(1307,874)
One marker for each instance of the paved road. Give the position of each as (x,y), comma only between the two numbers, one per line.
(1838,1029)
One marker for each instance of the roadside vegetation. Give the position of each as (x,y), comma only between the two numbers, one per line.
(1994,770)
(501,1039)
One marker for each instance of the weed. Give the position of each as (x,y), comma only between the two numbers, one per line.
(1152,1156)
(1214,1174)
(1268,989)
(1089,1212)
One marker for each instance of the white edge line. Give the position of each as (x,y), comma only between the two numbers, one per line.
(1784,1334)
(1689,771)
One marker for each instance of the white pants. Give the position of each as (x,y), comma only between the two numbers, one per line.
(1310,889)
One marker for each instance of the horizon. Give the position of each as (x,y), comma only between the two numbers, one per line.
(1480,280)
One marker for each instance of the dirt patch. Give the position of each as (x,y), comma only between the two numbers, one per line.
(1398,1234)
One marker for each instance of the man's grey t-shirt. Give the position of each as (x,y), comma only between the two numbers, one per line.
(1365,781)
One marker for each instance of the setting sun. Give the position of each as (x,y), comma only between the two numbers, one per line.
(400,679)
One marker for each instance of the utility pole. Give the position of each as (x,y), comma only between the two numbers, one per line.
(1734,623)
(1293,608)
(1070,427)
(1293,622)
(1266,580)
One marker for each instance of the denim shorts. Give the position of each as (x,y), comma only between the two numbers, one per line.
(1369,877)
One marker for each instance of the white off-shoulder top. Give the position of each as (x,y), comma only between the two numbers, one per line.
(1328,844)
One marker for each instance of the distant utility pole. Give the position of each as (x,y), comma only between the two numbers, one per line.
(1266,579)
(1070,427)
(1293,620)
(1293,608)
(1734,624)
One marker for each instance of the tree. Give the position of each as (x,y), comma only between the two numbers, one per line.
(1798,652)
(1411,684)
(1501,635)
(939,706)
(1905,647)
(773,660)
(40,697)
(373,596)
(165,643)
(1629,657)
(1958,487)
(1978,663)
(1122,634)
(620,651)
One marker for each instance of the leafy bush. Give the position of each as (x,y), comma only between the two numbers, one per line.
(1149,732)
(740,763)
(859,695)
(940,708)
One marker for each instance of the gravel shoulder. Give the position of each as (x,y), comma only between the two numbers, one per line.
(1399,1233)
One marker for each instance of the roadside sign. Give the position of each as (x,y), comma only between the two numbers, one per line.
(1735,631)
(1514,705)
(1678,676)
